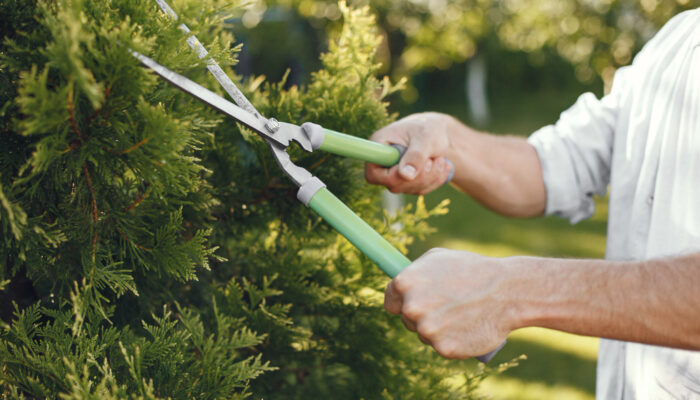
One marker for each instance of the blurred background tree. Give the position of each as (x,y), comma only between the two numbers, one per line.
(468,38)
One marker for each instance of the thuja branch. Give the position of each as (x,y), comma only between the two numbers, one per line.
(71,116)
(128,149)
(74,145)
(104,101)
(318,163)
(132,148)
(94,210)
(131,241)
(140,199)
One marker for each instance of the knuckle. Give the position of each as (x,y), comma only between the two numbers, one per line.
(401,283)
(424,339)
(433,251)
(381,134)
(446,348)
(391,306)
(392,301)
(412,310)
(417,157)
(410,325)
(427,329)
(370,176)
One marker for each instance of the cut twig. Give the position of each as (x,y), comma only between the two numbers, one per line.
(128,150)
(134,147)
(319,162)
(74,145)
(140,199)
(131,241)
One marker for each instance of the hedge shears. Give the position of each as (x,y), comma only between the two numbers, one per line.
(310,137)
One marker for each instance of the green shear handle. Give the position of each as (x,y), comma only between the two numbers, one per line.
(314,194)
(354,147)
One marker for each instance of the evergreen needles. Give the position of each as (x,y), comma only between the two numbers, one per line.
(151,249)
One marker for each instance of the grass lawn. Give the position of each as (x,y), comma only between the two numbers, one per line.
(558,365)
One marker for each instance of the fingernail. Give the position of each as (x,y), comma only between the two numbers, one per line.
(428,165)
(451,173)
(408,171)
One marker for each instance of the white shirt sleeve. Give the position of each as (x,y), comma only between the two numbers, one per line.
(576,152)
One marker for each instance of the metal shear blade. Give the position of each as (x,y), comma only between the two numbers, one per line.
(281,135)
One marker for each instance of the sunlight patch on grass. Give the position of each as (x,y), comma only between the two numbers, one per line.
(581,346)
(601,208)
(535,242)
(505,388)
(539,239)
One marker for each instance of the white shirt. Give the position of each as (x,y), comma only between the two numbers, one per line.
(643,140)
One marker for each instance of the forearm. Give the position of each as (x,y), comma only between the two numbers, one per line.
(502,173)
(654,301)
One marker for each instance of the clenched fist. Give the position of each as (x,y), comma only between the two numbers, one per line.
(460,303)
(423,167)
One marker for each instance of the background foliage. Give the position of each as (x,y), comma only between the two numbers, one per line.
(595,36)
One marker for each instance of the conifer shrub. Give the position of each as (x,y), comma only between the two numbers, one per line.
(153,249)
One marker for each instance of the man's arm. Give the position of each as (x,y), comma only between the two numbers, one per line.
(502,173)
(464,304)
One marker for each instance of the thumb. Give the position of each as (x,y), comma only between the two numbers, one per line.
(413,161)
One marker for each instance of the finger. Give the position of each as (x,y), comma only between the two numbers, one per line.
(449,349)
(434,174)
(410,325)
(414,160)
(395,132)
(414,305)
(424,340)
(428,167)
(437,177)
(393,300)
(393,181)
(378,175)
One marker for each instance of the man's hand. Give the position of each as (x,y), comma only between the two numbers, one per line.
(422,168)
(501,172)
(458,302)
(464,304)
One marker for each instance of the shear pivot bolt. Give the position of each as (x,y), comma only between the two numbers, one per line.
(272,125)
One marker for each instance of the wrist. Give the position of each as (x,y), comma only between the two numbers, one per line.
(532,295)
(455,134)
(564,294)
(465,148)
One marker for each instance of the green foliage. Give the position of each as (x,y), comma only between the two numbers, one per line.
(173,357)
(595,36)
(122,198)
